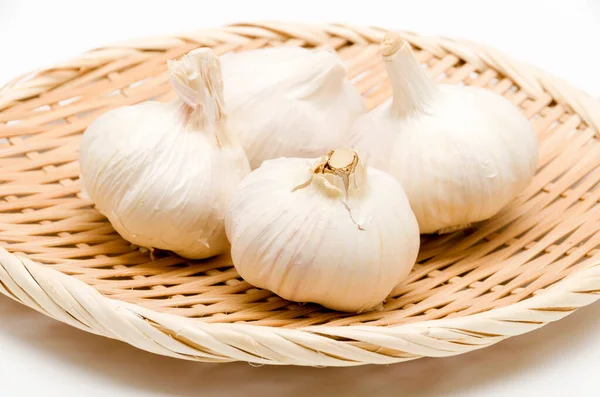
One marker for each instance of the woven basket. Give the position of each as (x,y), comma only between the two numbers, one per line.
(532,264)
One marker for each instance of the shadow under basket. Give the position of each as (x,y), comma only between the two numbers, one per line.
(533,263)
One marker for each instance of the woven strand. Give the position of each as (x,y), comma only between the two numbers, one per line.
(74,302)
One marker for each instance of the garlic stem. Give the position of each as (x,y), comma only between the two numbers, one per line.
(196,78)
(342,166)
(341,160)
(411,86)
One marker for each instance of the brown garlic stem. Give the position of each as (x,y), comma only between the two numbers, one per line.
(340,161)
(342,165)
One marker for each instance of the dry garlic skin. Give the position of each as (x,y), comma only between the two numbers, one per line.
(289,102)
(311,233)
(163,173)
(460,153)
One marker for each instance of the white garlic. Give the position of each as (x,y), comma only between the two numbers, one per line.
(323,230)
(289,102)
(460,153)
(162,173)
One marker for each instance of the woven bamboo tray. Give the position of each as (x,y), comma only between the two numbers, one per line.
(534,263)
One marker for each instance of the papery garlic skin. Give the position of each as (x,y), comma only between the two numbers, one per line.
(310,233)
(460,153)
(163,173)
(289,102)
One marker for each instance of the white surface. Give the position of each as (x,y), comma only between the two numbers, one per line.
(39,356)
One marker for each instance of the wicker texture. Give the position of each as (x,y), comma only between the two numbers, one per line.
(533,263)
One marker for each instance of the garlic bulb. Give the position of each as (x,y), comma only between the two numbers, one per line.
(323,230)
(289,102)
(460,153)
(162,173)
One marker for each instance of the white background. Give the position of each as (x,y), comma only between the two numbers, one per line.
(39,356)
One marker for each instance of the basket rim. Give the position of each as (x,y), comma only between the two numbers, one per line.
(72,301)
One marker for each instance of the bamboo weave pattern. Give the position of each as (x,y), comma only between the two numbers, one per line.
(533,263)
